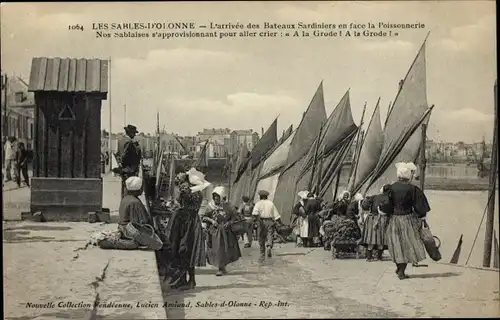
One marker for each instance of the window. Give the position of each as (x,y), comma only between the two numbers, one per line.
(20,97)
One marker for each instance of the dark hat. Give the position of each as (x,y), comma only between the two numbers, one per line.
(245,198)
(263,193)
(131,128)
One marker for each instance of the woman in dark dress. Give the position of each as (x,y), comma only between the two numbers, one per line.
(375,224)
(312,208)
(184,231)
(410,207)
(222,243)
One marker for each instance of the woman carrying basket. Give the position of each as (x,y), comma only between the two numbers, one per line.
(222,243)
(410,206)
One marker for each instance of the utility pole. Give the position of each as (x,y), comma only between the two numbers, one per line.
(125,115)
(110,118)
(6,118)
(488,238)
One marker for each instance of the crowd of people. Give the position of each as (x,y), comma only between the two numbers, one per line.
(204,228)
(16,160)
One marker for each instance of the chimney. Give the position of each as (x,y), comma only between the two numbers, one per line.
(262,130)
(401,84)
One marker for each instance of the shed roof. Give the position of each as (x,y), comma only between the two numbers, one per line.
(69,75)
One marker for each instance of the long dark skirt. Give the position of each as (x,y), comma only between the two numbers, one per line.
(185,245)
(313,226)
(403,239)
(372,236)
(222,247)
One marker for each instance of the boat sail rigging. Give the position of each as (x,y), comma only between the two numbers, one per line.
(409,111)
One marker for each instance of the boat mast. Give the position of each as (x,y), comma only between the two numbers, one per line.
(488,238)
(423,160)
(359,143)
(315,161)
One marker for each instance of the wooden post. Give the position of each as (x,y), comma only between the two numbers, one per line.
(423,161)
(488,238)
(6,116)
(229,166)
(110,119)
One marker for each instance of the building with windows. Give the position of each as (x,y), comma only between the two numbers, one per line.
(17,110)
(238,138)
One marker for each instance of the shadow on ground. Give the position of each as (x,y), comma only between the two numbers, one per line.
(434,275)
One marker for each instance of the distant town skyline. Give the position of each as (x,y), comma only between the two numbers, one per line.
(246,83)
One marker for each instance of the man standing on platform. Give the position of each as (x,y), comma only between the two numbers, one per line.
(129,155)
(267,216)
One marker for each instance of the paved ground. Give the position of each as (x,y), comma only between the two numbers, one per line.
(50,263)
(46,262)
(309,284)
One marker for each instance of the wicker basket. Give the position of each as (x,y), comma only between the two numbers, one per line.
(144,235)
(239,227)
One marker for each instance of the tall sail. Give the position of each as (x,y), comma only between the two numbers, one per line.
(304,137)
(265,144)
(277,160)
(370,151)
(308,128)
(408,153)
(407,111)
(271,167)
(340,124)
(241,163)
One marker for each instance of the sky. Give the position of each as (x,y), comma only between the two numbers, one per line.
(244,83)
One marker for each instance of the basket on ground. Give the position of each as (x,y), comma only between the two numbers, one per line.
(144,235)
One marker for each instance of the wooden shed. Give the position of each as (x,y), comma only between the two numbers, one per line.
(67,136)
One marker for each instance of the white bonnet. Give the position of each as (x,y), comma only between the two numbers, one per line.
(358,197)
(219,190)
(303,194)
(133,183)
(405,169)
(341,195)
(198,179)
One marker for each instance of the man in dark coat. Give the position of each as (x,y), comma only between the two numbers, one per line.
(129,155)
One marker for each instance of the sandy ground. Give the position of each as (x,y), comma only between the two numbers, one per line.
(307,283)
(46,262)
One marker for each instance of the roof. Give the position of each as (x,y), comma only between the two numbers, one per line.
(69,75)
(17,85)
(244,132)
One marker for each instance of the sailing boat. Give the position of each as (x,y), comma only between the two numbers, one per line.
(370,150)
(402,140)
(304,137)
(329,148)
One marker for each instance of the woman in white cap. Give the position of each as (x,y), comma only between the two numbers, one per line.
(187,241)
(300,220)
(409,206)
(375,225)
(131,207)
(222,244)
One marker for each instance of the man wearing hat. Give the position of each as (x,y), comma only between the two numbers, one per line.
(267,216)
(245,210)
(129,155)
